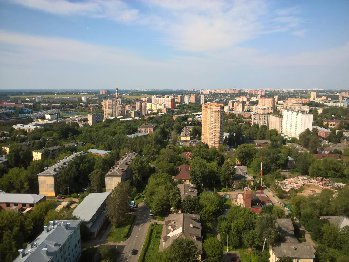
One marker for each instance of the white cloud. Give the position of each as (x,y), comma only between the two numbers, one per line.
(194,26)
(51,62)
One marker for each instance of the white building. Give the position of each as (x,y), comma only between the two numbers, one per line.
(294,123)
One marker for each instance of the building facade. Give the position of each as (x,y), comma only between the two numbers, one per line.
(94,118)
(294,123)
(212,124)
(18,201)
(275,122)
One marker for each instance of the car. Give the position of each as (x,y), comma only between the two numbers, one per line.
(134,251)
(151,213)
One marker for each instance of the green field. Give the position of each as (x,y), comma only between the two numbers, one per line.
(121,233)
(150,251)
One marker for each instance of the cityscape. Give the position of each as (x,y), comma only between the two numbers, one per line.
(126,135)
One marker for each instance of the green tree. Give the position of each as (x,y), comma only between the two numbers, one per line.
(212,206)
(190,205)
(213,249)
(182,250)
(97,180)
(204,174)
(327,167)
(19,156)
(246,153)
(227,172)
(161,194)
(118,203)
(141,171)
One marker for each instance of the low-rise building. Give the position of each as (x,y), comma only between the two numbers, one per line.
(119,172)
(148,129)
(290,247)
(47,177)
(13,200)
(187,190)
(94,118)
(181,225)
(60,241)
(185,134)
(332,123)
(184,174)
(91,211)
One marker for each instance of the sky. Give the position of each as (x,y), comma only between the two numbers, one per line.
(174,44)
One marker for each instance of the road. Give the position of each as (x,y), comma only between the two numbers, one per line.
(138,234)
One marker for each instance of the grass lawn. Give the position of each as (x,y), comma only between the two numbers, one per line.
(151,247)
(121,233)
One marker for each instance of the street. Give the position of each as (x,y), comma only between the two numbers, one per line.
(137,236)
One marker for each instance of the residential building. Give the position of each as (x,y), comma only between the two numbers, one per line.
(98,152)
(322,132)
(260,119)
(181,226)
(91,211)
(94,118)
(192,99)
(119,172)
(186,99)
(202,99)
(47,177)
(313,96)
(183,174)
(185,134)
(239,106)
(290,247)
(338,221)
(60,241)
(18,201)
(103,92)
(42,153)
(146,128)
(294,123)
(332,123)
(275,122)
(187,190)
(266,102)
(113,107)
(212,121)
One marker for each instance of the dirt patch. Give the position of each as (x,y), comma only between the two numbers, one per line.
(309,190)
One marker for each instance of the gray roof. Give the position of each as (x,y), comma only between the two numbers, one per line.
(187,190)
(137,135)
(338,221)
(20,198)
(98,151)
(181,225)
(294,250)
(54,169)
(90,205)
(121,166)
(52,239)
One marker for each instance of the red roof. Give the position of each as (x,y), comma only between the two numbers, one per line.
(184,172)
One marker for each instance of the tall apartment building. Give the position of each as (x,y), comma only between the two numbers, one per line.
(239,106)
(312,96)
(94,118)
(275,122)
(294,123)
(186,99)
(202,99)
(60,241)
(212,127)
(193,98)
(266,102)
(260,119)
(113,107)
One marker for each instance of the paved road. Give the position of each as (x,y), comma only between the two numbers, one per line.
(138,234)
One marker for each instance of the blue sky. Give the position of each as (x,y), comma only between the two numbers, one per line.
(181,44)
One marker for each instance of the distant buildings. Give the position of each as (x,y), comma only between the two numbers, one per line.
(275,122)
(113,107)
(60,241)
(181,226)
(119,172)
(91,211)
(146,128)
(186,134)
(40,154)
(18,201)
(294,123)
(260,119)
(313,96)
(94,118)
(47,177)
(212,120)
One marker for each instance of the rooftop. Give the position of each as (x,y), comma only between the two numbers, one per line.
(20,198)
(121,166)
(49,241)
(339,221)
(98,151)
(90,205)
(294,250)
(187,190)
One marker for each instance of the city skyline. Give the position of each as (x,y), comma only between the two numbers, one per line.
(173,44)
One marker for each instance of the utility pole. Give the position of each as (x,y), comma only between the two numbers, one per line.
(227,242)
(265,239)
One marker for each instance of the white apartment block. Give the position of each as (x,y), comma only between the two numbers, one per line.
(294,123)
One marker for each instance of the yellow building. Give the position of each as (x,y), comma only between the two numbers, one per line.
(212,119)
(37,155)
(6,149)
(119,172)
